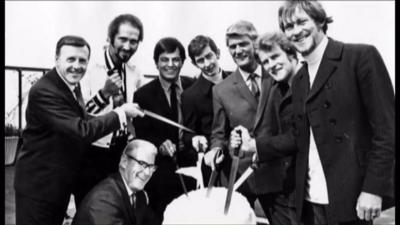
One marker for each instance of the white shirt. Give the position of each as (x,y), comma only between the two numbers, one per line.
(317,191)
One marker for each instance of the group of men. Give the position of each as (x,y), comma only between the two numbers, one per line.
(316,116)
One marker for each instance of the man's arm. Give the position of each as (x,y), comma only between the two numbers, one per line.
(378,99)
(101,99)
(220,126)
(57,114)
(190,117)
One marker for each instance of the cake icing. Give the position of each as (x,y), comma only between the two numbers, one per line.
(196,208)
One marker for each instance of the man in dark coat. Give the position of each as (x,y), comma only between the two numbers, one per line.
(343,105)
(279,58)
(58,133)
(197,105)
(163,96)
(120,199)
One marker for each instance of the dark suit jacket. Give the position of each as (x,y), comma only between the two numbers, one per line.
(108,203)
(235,105)
(351,110)
(197,110)
(164,185)
(281,115)
(58,131)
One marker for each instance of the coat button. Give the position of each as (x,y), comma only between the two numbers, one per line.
(332,122)
(338,139)
(327,105)
(328,85)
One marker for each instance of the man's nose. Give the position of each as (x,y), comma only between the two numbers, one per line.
(207,63)
(238,49)
(296,30)
(126,45)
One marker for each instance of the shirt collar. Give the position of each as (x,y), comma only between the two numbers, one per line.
(166,85)
(316,56)
(246,75)
(130,192)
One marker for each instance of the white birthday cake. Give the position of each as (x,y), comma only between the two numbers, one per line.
(196,208)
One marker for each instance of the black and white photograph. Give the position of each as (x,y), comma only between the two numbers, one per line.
(200,112)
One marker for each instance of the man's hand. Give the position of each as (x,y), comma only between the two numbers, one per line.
(248,143)
(112,85)
(369,206)
(132,110)
(198,139)
(167,148)
(210,155)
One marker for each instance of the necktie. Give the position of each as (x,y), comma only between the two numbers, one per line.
(307,76)
(78,95)
(254,86)
(120,98)
(174,102)
(133,201)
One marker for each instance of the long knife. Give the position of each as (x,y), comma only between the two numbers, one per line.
(180,175)
(214,173)
(166,120)
(232,175)
(245,175)
(200,155)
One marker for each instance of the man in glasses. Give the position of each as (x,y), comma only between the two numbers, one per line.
(120,198)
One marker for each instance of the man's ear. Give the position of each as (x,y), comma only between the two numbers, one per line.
(218,53)
(124,161)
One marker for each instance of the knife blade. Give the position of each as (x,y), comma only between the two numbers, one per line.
(245,175)
(166,120)
(214,173)
(180,176)
(232,175)
(200,183)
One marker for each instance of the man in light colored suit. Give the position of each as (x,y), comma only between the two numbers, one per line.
(241,99)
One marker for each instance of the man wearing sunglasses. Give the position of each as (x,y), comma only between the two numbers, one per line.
(120,198)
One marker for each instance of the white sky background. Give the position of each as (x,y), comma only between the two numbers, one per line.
(34,27)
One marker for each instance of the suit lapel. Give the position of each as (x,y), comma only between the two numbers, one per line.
(266,84)
(162,99)
(242,88)
(62,86)
(327,67)
(125,198)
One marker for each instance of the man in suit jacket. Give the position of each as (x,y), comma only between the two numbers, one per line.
(344,126)
(197,106)
(57,134)
(120,199)
(162,96)
(241,99)
(279,58)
